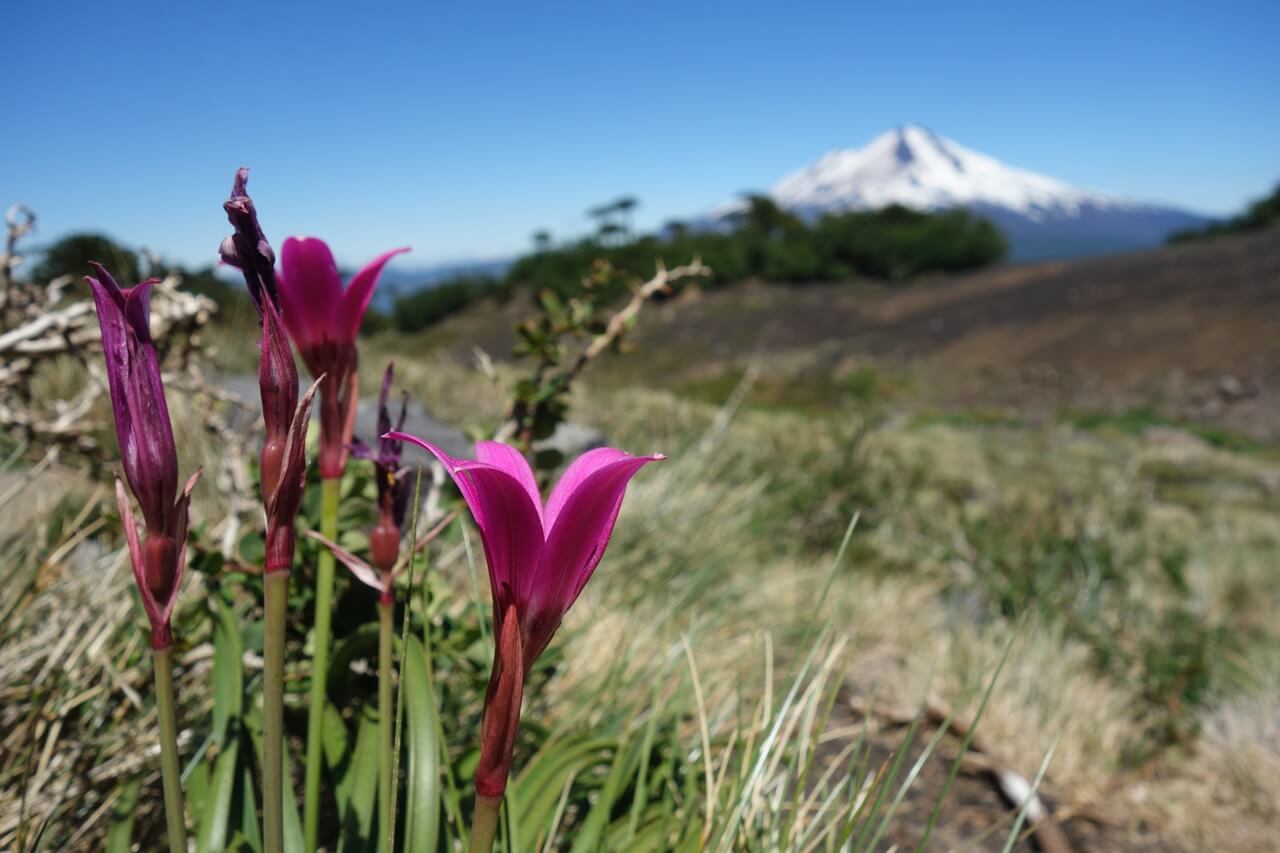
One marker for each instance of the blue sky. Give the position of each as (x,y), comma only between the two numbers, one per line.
(460,128)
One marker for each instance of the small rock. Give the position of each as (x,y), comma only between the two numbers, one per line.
(1230,388)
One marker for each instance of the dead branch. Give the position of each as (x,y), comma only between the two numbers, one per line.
(617,326)
(38,331)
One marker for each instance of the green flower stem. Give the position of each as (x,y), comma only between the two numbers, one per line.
(169,766)
(385,714)
(484,824)
(329,494)
(276,593)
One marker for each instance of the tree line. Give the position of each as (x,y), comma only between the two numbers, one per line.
(760,240)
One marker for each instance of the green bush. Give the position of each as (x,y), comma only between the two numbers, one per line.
(422,308)
(891,244)
(1263,213)
(894,244)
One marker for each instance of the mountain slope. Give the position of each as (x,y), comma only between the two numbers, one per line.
(912,166)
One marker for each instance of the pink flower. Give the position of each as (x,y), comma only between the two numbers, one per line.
(323,319)
(540,556)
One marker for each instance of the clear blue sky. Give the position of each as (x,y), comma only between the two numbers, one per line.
(460,128)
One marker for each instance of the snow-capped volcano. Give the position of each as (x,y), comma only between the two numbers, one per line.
(914,167)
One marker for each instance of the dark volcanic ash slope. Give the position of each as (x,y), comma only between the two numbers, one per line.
(1192,330)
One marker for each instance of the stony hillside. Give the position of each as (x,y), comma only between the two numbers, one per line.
(1189,331)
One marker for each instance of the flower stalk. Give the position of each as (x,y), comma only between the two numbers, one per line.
(484,824)
(330,493)
(276,600)
(170,771)
(386,714)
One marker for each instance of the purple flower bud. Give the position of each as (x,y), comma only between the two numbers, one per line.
(146,447)
(248,250)
(393,491)
(285,498)
(137,395)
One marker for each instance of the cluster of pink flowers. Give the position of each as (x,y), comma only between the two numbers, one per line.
(540,554)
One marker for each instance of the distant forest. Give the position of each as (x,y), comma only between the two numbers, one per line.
(1263,213)
(758,241)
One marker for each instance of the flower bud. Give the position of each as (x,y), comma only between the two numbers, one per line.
(158,555)
(384,544)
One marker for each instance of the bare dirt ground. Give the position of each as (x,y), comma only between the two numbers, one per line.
(976,815)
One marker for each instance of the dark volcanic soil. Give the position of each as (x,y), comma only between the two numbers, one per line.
(1192,331)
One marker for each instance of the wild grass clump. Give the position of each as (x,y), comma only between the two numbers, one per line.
(705,706)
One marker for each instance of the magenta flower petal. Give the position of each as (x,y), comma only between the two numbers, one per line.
(575,545)
(512,461)
(578,471)
(355,301)
(509,522)
(310,289)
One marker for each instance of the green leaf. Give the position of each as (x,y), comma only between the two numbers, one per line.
(249,832)
(196,785)
(294,841)
(337,744)
(641,798)
(215,812)
(422,806)
(120,834)
(535,793)
(228,673)
(592,833)
(361,781)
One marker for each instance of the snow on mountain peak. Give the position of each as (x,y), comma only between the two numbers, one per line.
(913,166)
